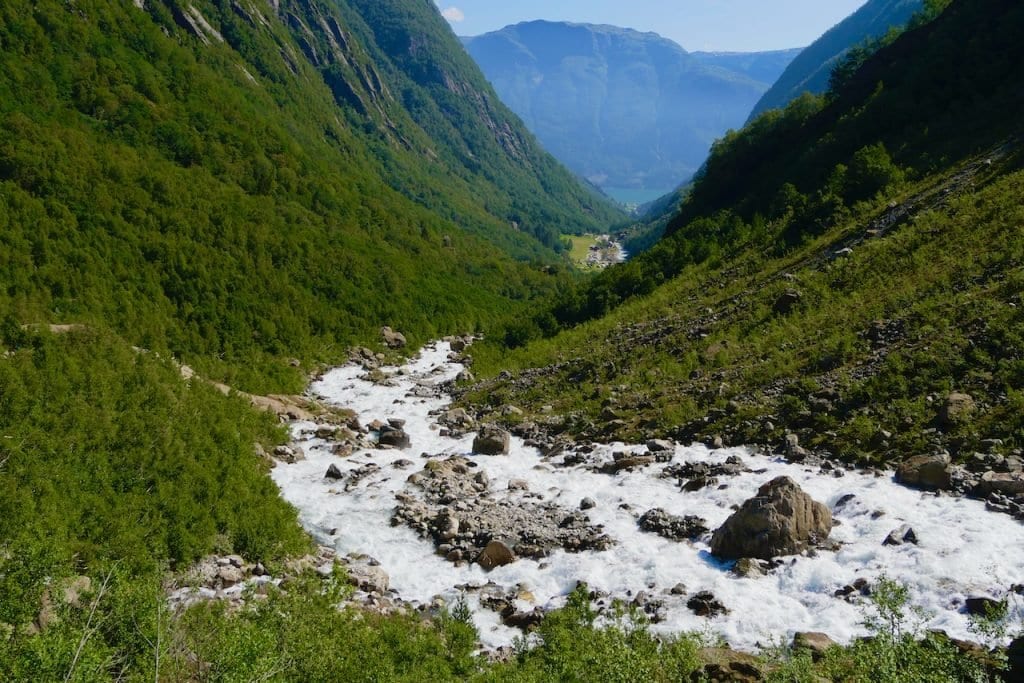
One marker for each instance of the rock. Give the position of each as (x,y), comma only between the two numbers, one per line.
(393,436)
(491,440)
(457,418)
(368,577)
(588,504)
(1015,660)
(230,575)
(985,606)
(392,339)
(496,554)
(904,534)
(465,376)
(678,589)
(628,462)
(659,445)
(723,664)
(792,449)
(672,527)
(780,520)
(786,301)
(288,454)
(334,473)
(518,485)
(817,643)
(75,588)
(748,567)
(956,409)
(930,472)
(1006,483)
(458,344)
(704,604)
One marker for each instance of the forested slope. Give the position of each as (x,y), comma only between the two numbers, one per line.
(837,272)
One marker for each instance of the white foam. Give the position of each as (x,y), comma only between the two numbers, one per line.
(963,549)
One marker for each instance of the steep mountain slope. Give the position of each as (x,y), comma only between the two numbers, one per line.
(621,108)
(810,70)
(841,271)
(221,180)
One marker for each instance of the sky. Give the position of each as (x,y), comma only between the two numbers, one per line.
(734,25)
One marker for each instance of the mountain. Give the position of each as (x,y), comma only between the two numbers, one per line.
(621,108)
(810,70)
(845,271)
(764,67)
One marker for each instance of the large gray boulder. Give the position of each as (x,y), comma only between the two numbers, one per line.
(491,440)
(780,520)
(929,472)
(393,339)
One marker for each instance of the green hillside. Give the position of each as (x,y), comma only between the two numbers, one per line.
(836,272)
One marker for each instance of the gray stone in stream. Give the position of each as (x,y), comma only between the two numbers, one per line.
(394,437)
(748,568)
(705,604)
(658,445)
(491,440)
(904,534)
(985,606)
(496,554)
(928,472)
(333,473)
(780,520)
(588,504)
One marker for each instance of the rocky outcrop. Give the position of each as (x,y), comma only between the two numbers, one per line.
(492,440)
(780,520)
(930,472)
(815,643)
(956,409)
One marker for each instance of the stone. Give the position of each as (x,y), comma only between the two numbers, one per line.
(929,472)
(816,643)
(392,339)
(658,445)
(627,463)
(723,664)
(705,604)
(75,588)
(588,504)
(367,577)
(748,567)
(672,527)
(780,520)
(396,437)
(496,554)
(904,534)
(518,485)
(333,473)
(458,344)
(230,575)
(1005,483)
(956,409)
(491,440)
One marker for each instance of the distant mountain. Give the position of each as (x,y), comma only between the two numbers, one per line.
(810,70)
(623,109)
(765,67)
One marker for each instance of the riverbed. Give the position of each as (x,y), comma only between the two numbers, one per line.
(963,550)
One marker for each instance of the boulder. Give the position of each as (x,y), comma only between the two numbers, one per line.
(928,472)
(956,409)
(392,339)
(333,473)
(660,445)
(780,520)
(396,437)
(230,575)
(816,643)
(491,440)
(367,577)
(496,554)
(1006,483)
(748,568)
(982,606)
(588,504)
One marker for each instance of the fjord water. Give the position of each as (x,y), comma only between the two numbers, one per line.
(963,549)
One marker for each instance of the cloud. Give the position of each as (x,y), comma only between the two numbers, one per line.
(453,14)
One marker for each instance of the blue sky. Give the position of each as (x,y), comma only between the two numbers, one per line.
(741,25)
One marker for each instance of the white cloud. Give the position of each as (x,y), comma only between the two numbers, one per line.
(453,14)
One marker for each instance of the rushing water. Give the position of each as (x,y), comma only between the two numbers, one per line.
(963,550)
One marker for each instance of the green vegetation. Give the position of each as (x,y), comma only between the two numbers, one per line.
(853,205)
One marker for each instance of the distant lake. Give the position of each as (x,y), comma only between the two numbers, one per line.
(629,195)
